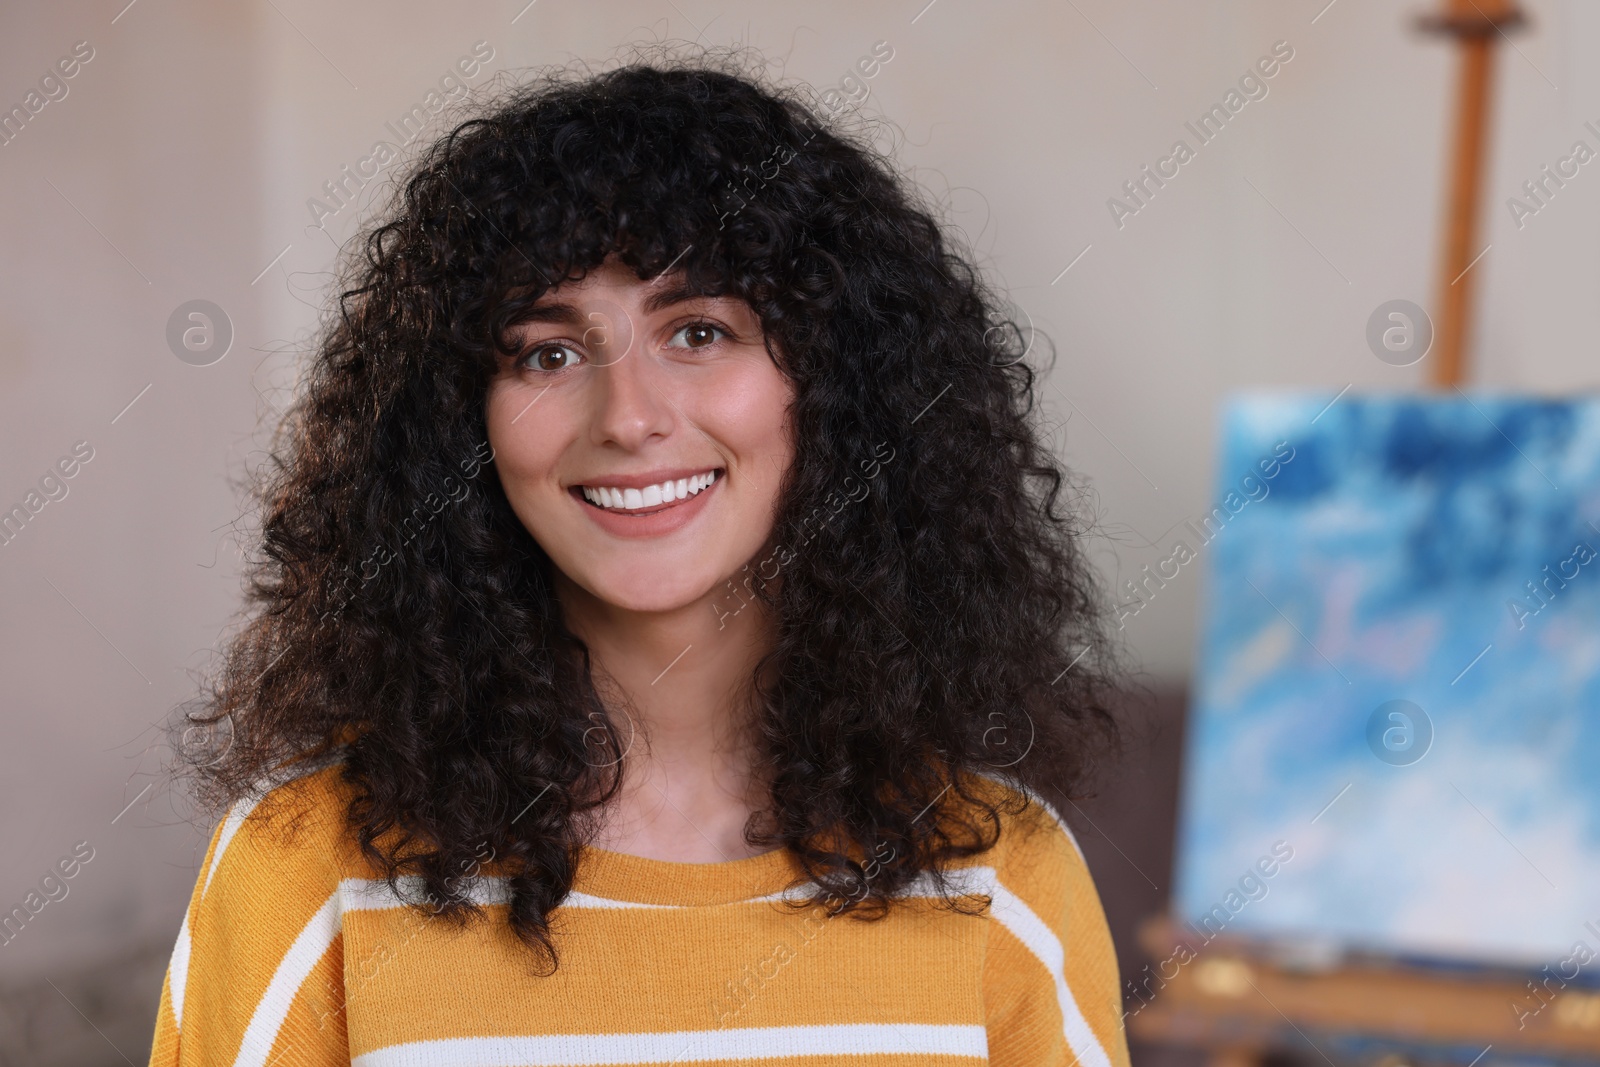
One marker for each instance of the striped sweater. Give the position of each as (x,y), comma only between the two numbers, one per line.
(293,954)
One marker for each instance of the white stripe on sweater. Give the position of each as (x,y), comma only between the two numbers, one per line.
(374,894)
(230,826)
(1042,941)
(1008,909)
(685,1046)
(182,949)
(1025,925)
(1061,824)
(297,963)
(1021,787)
(178,966)
(178,971)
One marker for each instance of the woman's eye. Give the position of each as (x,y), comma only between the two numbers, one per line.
(552,357)
(696,335)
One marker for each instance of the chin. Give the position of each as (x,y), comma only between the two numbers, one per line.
(646,590)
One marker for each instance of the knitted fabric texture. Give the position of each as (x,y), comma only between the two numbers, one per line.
(292,954)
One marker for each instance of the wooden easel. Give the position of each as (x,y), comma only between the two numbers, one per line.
(1476,26)
(1232,998)
(1234,1001)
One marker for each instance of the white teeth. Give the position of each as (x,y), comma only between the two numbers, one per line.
(650,496)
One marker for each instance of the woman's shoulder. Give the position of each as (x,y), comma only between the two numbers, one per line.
(290,832)
(1034,843)
(1050,966)
(265,909)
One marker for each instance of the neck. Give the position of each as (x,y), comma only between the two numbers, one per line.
(679,685)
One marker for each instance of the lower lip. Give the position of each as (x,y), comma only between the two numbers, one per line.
(651,522)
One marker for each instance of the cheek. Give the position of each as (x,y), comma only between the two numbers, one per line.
(752,417)
(525,446)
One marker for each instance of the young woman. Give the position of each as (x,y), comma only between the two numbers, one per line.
(667,628)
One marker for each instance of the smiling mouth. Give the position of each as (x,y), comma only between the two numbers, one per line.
(662,494)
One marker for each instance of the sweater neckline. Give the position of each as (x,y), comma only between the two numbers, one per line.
(643,880)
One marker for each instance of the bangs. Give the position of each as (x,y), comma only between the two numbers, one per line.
(688,178)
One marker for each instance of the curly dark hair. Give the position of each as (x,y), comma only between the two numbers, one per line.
(941,623)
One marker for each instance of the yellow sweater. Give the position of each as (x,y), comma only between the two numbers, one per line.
(291,954)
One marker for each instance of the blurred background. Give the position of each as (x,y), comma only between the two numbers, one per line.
(196,153)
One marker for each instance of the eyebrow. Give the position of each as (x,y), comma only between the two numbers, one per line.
(668,295)
(559,311)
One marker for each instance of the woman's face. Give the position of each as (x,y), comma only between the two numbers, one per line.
(641,434)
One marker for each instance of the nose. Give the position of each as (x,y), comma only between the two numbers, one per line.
(629,408)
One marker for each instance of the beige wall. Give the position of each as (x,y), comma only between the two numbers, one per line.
(109,594)
(192,141)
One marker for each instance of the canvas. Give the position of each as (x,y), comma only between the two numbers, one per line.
(1394,743)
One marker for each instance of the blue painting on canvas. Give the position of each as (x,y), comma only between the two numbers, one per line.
(1394,743)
